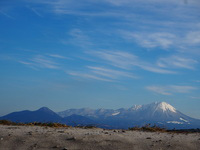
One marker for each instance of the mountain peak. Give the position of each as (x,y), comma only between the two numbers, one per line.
(136,107)
(46,109)
(165,107)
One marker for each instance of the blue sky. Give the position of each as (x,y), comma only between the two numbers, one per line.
(99,54)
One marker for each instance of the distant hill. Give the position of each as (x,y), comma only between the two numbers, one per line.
(43,114)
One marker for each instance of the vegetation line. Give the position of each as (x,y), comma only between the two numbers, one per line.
(145,128)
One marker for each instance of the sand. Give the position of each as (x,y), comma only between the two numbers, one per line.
(46,138)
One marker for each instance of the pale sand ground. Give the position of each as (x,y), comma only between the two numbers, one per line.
(41,138)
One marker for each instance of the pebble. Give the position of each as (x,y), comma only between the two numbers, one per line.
(56,146)
(1,139)
(35,145)
(169,145)
(71,139)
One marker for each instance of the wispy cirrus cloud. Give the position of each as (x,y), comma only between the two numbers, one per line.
(78,37)
(6,14)
(170,89)
(194,97)
(119,59)
(25,63)
(88,76)
(57,56)
(165,40)
(177,62)
(36,12)
(159,90)
(193,38)
(198,81)
(111,73)
(152,40)
(126,60)
(44,62)
(40,61)
(127,2)
(154,68)
(102,73)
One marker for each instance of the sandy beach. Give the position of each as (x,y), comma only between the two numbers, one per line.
(45,138)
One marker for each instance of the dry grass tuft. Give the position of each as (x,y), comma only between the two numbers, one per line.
(149,128)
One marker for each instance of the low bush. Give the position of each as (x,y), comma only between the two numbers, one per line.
(149,128)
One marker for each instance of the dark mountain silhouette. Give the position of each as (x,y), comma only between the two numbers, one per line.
(43,114)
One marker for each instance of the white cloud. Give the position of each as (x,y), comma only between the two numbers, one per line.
(128,2)
(184,45)
(158,89)
(111,73)
(128,61)
(40,61)
(152,40)
(182,89)
(88,76)
(155,69)
(79,38)
(193,37)
(44,62)
(177,62)
(57,56)
(170,89)
(103,74)
(119,59)
(25,63)
(194,97)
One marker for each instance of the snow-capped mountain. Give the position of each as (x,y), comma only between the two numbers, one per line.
(150,111)
(160,113)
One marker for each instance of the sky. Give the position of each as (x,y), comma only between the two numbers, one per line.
(99,54)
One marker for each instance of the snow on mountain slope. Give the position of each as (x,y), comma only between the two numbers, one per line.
(165,107)
(150,110)
(116,113)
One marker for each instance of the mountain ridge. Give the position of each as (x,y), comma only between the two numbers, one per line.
(159,113)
